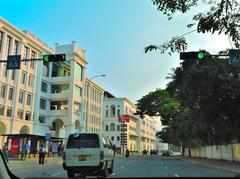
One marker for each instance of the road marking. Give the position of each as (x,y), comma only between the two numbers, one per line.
(55,174)
(166,168)
(161,163)
(176,175)
(113,174)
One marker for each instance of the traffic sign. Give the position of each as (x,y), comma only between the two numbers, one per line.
(234,57)
(47,136)
(13,62)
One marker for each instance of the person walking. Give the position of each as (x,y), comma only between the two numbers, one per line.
(26,149)
(127,153)
(42,153)
(5,151)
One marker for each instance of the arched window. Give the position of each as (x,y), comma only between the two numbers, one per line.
(107,113)
(106,127)
(112,127)
(113,111)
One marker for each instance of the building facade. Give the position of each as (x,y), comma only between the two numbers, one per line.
(40,97)
(139,133)
(93,102)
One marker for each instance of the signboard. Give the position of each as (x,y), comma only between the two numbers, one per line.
(47,136)
(14,146)
(13,62)
(234,57)
(123,118)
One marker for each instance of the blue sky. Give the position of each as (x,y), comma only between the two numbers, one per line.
(113,33)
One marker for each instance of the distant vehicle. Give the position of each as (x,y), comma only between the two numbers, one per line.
(88,154)
(167,153)
(155,152)
(145,152)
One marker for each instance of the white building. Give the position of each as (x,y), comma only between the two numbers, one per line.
(40,97)
(139,134)
(93,102)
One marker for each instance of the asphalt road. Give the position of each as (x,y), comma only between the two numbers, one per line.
(134,166)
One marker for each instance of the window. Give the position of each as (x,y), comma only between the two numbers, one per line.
(28,116)
(79,72)
(112,138)
(10,94)
(83,141)
(1,110)
(77,107)
(1,37)
(112,111)
(20,114)
(41,119)
(8,45)
(118,111)
(25,54)
(43,104)
(30,81)
(15,49)
(20,98)
(112,127)
(106,127)
(77,90)
(118,138)
(5,70)
(29,97)
(45,71)
(13,75)
(23,78)
(33,56)
(44,87)
(9,112)
(107,115)
(118,127)
(2,92)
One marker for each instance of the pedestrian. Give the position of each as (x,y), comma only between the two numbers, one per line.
(60,150)
(127,153)
(5,151)
(42,153)
(26,149)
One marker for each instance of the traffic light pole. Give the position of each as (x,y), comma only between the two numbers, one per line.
(23,60)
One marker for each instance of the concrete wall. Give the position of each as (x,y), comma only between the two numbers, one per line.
(230,152)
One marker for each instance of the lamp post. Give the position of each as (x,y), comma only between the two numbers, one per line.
(88,98)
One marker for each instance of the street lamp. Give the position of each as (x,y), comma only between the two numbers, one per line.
(97,76)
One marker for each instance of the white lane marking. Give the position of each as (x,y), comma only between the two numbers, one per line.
(176,175)
(161,163)
(122,166)
(113,174)
(166,168)
(55,174)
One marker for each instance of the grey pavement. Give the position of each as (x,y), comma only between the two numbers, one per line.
(134,166)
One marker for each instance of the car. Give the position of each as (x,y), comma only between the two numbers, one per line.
(4,170)
(167,153)
(88,154)
(155,152)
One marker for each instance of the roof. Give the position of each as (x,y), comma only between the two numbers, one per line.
(31,136)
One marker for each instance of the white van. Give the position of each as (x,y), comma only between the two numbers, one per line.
(88,154)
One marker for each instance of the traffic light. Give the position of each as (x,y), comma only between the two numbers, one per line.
(54,58)
(193,55)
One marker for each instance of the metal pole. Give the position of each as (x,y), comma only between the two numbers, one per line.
(123,135)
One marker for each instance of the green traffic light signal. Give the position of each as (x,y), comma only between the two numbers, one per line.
(200,55)
(45,58)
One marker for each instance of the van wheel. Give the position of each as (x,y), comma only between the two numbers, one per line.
(110,170)
(70,174)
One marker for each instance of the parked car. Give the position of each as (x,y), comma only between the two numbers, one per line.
(88,154)
(145,152)
(167,153)
(155,152)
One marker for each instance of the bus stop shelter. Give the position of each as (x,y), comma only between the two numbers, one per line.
(16,144)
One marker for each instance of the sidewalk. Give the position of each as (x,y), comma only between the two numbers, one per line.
(218,164)
(32,162)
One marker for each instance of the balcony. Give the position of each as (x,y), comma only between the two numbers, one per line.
(60,79)
(62,95)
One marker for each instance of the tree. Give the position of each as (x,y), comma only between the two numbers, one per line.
(222,17)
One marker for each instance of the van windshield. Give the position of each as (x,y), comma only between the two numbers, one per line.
(83,141)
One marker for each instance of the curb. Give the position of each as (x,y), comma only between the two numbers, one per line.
(213,166)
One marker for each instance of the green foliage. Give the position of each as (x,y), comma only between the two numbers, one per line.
(222,17)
